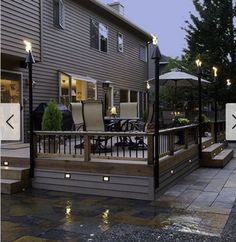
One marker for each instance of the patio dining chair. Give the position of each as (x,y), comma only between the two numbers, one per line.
(77,115)
(94,122)
(129,110)
(145,126)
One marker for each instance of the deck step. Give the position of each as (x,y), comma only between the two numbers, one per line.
(211,151)
(10,186)
(14,179)
(14,173)
(207,141)
(222,158)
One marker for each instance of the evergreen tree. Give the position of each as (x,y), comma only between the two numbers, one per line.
(211,36)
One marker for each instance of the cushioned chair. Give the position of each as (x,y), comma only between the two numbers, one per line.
(94,121)
(129,111)
(77,115)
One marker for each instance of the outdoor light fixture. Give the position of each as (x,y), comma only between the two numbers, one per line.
(199,74)
(190,161)
(30,61)
(148,85)
(106,85)
(156,55)
(228,82)
(6,163)
(67,176)
(106,178)
(172,172)
(215,72)
(154,39)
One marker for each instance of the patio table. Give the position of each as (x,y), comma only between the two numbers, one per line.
(118,124)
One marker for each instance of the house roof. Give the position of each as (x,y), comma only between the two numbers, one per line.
(111,13)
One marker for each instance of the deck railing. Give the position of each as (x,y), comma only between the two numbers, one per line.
(220,128)
(135,146)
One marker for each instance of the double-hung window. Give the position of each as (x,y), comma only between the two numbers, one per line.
(143,53)
(98,35)
(58,13)
(120,42)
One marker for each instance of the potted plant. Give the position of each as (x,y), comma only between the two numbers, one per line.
(180,121)
(205,124)
(51,121)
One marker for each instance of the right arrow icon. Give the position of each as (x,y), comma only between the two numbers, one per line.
(235,119)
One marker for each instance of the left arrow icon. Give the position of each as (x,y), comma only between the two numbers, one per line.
(9,120)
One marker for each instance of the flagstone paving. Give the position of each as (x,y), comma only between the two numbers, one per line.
(200,207)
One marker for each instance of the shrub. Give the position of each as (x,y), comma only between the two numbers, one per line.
(52,118)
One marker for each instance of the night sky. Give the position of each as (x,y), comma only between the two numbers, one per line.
(163,18)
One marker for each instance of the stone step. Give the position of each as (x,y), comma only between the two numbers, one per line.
(222,158)
(14,173)
(207,141)
(10,186)
(211,151)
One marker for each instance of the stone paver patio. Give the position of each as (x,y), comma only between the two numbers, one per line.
(195,209)
(211,189)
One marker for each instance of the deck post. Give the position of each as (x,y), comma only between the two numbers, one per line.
(87,148)
(186,139)
(150,151)
(157,56)
(171,143)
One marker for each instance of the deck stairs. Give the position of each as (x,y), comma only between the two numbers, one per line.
(14,179)
(215,154)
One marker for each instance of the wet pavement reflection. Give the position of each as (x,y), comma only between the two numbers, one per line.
(35,215)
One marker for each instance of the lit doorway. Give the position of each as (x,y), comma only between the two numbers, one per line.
(11,91)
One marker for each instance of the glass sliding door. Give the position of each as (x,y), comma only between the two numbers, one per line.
(11,91)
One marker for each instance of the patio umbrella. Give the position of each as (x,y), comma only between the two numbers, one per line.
(178,78)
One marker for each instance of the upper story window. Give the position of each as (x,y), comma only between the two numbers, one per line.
(143,53)
(58,13)
(120,42)
(98,35)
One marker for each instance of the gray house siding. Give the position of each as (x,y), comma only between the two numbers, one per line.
(20,20)
(69,50)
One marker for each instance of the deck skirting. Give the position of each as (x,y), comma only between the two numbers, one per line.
(135,187)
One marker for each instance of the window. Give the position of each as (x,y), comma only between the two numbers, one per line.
(58,13)
(98,35)
(120,42)
(143,53)
(133,96)
(124,96)
(75,89)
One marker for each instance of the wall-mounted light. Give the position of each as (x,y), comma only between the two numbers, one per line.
(6,163)
(172,171)
(106,178)
(190,161)
(106,85)
(67,176)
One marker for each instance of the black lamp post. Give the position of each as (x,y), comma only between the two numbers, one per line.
(215,103)
(105,86)
(30,61)
(156,56)
(199,75)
